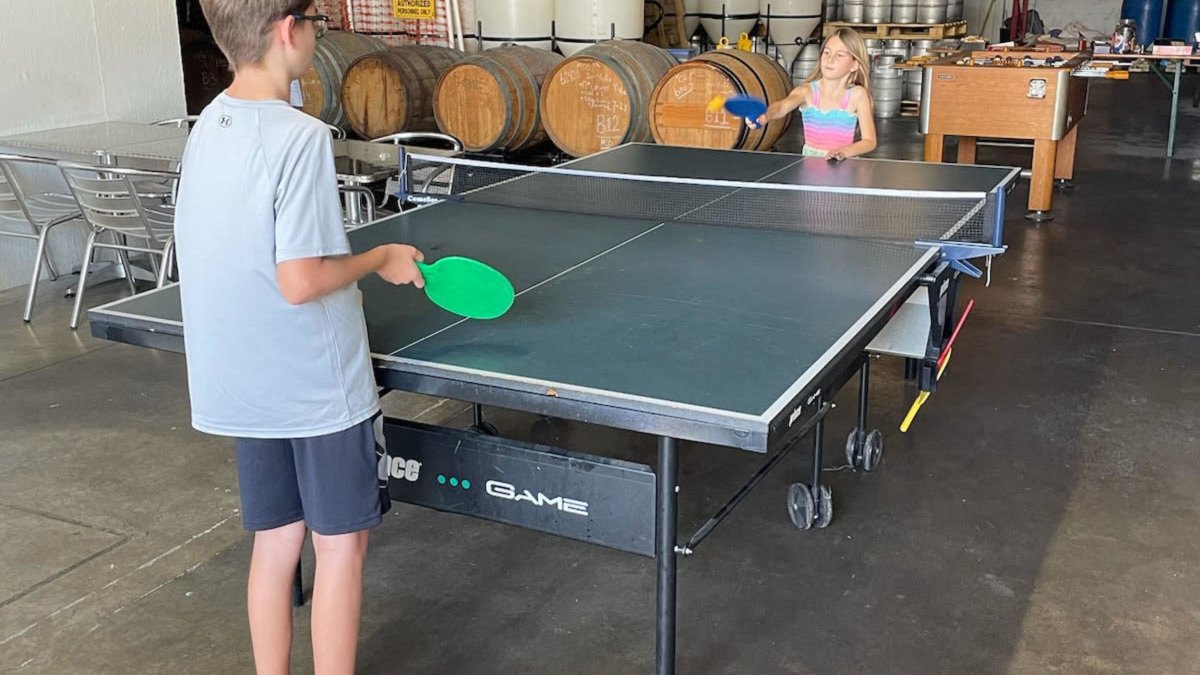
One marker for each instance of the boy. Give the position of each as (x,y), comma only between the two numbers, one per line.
(276,341)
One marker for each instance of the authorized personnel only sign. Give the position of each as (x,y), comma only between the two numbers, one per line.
(414,9)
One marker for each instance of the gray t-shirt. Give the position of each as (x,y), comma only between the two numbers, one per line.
(257,188)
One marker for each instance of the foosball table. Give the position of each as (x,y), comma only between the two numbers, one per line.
(1014,96)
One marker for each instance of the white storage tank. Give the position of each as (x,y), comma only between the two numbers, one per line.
(737,16)
(579,24)
(470,25)
(524,22)
(691,16)
(790,23)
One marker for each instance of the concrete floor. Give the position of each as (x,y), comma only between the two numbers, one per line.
(1043,516)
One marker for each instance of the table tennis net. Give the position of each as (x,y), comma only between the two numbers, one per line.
(884,214)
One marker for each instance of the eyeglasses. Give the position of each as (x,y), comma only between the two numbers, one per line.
(320,22)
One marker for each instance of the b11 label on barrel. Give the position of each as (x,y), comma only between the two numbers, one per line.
(584,497)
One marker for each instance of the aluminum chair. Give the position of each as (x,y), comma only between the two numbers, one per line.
(366,200)
(181,122)
(420,138)
(111,203)
(28,215)
(426,176)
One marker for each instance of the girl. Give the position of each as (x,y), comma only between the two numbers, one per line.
(834,101)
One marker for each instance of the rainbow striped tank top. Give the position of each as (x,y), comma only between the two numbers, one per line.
(826,130)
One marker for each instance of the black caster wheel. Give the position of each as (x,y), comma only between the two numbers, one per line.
(872,450)
(825,507)
(864,450)
(485,429)
(800,506)
(854,444)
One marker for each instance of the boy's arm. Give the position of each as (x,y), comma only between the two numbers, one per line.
(306,279)
(312,254)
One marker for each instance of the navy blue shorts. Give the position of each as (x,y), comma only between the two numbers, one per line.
(331,482)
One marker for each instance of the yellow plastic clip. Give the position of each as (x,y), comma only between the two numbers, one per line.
(744,42)
(723,43)
(912,412)
(923,396)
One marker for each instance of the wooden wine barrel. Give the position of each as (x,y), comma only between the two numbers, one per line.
(600,98)
(489,101)
(390,91)
(679,112)
(205,69)
(321,85)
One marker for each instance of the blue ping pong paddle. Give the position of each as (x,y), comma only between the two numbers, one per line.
(467,287)
(747,107)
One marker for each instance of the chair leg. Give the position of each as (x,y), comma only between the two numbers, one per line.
(83,275)
(154,265)
(37,273)
(123,256)
(165,265)
(50,271)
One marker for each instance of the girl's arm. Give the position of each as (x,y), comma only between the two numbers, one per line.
(861,101)
(783,108)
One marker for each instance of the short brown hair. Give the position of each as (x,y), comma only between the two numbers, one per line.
(240,27)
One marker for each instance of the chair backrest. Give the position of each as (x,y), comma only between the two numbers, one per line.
(13,202)
(181,122)
(420,138)
(8,198)
(116,199)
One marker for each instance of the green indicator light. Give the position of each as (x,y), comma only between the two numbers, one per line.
(466,485)
(441,479)
(454,482)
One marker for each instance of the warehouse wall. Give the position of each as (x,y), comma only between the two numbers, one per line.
(1098,15)
(67,62)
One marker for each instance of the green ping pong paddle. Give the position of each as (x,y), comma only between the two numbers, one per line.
(467,287)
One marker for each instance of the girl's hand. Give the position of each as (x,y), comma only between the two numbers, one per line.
(838,154)
(771,113)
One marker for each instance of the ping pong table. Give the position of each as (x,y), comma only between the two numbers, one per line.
(736,333)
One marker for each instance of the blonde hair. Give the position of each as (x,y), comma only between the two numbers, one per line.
(858,50)
(241,27)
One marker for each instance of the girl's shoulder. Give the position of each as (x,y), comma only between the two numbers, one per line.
(859,98)
(803,94)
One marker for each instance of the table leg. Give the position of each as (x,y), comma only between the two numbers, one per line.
(966,149)
(1041,184)
(1174,109)
(935,147)
(1064,162)
(666,526)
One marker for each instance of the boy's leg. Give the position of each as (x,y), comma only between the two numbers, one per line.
(269,596)
(341,490)
(337,601)
(271,508)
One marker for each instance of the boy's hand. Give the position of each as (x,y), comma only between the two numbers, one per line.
(400,265)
